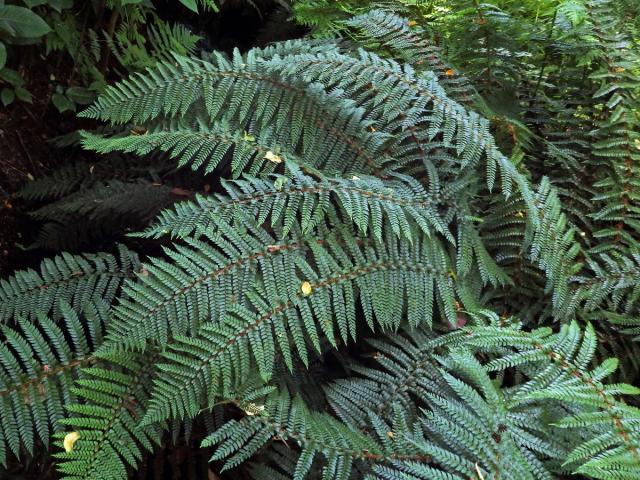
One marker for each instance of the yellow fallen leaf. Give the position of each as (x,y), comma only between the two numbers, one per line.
(247,137)
(253,409)
(412,23)
(272,157)
(69,439)
(306,288)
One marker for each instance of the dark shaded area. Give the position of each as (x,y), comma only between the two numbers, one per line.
(27,131)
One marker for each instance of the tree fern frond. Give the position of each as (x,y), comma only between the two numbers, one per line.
(242,92)
(61,182)
(195,287)
(205,146)
(610,281)
(420,105)
(143,200)
(565,376)
(107,421)
(405,369)
(75,279)
(391,31)
(314,298)
(289,419)
(303,203)
(39,365)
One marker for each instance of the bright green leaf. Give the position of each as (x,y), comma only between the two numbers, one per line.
(190,4)
(20,22)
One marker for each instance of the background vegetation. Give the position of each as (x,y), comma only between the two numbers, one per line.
(320,239)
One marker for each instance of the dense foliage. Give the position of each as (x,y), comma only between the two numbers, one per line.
(411,250)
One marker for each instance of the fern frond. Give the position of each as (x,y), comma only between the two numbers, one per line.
(419,104)
(62,181)
(289,419)
(609,281)
(456,429)
(300,202)
(242,92)
(204,146)
(74,279)
(107,420)
(39,362)
(136,199)
(405,369)
(201,274)
(288,316)
(563,375)
(385,29)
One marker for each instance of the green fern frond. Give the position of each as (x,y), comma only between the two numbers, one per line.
(384,29)
(316,298)
(201,274)
(141,199)
(610,281)
(405,369)
(75,279)
(300,202)
(109,437)
(300,113)
(39,362)
(564,375)
(420,105)
(289,419)
(61,182)
(204,146)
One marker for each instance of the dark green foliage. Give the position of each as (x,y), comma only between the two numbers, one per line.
(369,198)
(89,204)
(107,421)
(39,366)
(71,279)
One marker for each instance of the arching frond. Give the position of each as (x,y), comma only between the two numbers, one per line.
(39,362)
(75,279)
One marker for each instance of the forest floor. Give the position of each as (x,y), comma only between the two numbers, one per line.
(26,134)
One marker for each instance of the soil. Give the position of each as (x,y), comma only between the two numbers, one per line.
(26,132)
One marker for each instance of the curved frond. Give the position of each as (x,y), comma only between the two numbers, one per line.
(75,279)
(39,362)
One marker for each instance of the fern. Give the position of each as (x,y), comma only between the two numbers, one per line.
(379,27)
(75,280)
(362,201)
(277,322)
(107,421)
(290,420)
(39,365)
(373,205)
